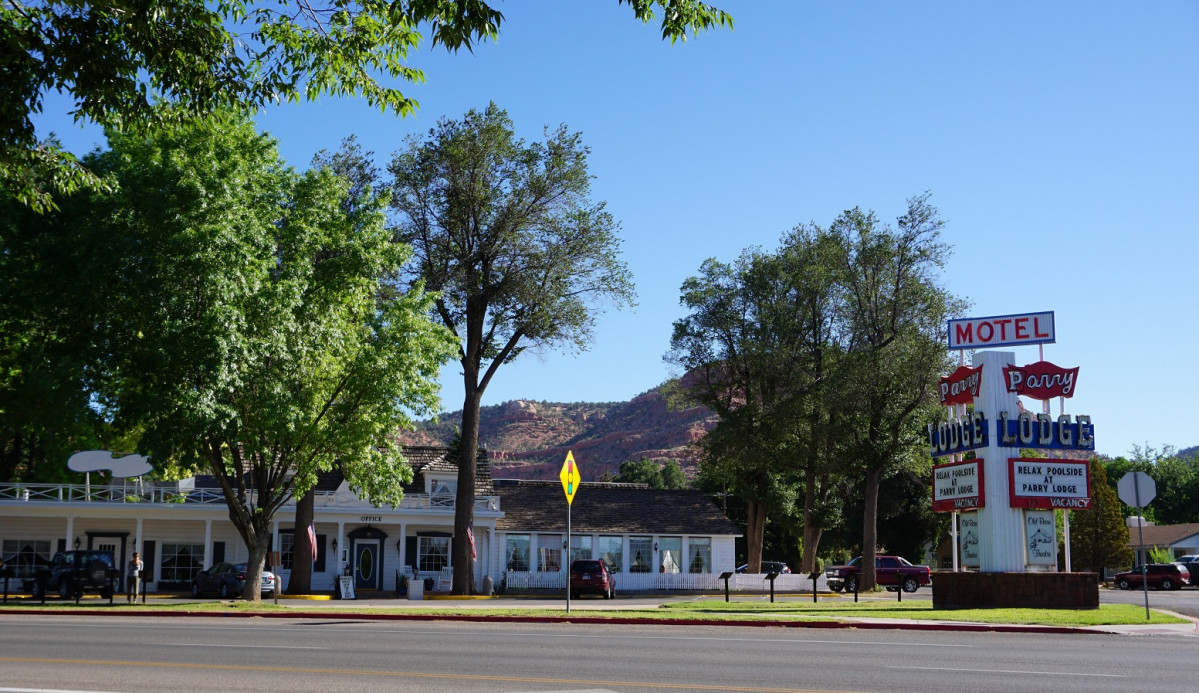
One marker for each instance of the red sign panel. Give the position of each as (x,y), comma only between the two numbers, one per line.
(958,486)
(961,386)
(1040,380)
(1049,483)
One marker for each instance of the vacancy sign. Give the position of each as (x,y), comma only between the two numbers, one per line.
(958,486)
(1002,330)
(570,477)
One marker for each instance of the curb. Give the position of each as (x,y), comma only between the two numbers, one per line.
(472,618)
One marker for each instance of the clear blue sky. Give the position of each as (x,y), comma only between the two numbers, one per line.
(1059,140)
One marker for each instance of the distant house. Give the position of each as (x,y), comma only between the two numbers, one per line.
(1182,540)
(183,527)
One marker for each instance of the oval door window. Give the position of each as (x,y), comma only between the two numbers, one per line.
(366,563)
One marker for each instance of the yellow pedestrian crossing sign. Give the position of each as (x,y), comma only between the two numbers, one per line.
(570,477)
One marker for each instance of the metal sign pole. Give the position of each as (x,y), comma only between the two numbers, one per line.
(566,561)
(1136,484)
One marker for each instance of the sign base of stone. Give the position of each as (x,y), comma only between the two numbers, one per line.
(1015,590)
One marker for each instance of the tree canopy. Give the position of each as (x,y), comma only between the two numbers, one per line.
(820,359)
(518,254)
(247,335)
(128,65)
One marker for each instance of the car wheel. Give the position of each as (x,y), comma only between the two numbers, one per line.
(574,595)
(613,593)
(106,592)
(910,584)
(1124,584)
(851,585)
(836,588)
(195,590)
(39,590)
(1167,584)
(224,592)
(64,588)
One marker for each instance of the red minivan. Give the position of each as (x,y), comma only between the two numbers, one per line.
(592,576)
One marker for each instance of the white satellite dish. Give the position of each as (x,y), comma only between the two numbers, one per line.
(103,460)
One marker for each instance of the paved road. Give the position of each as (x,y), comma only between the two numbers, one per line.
(321,655)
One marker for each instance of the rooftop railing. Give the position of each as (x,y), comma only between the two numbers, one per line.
(182,493)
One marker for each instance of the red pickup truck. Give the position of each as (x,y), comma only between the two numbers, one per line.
(893,572)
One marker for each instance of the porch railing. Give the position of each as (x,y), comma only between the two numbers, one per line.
(176,493)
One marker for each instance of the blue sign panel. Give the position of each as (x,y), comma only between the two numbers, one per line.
(1042,432)
(951,437)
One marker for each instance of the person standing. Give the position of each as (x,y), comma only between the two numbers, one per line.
(135,578)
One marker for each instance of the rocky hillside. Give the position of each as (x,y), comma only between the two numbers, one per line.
(529,440)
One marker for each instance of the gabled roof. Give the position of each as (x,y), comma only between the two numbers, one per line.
(432,460)
(540,506)
(1162,535)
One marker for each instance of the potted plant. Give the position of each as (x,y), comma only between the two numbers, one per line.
(402,586)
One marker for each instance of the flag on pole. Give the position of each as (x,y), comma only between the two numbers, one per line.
(312,540)
(470,534)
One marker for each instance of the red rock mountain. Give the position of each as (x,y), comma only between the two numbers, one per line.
(529,440)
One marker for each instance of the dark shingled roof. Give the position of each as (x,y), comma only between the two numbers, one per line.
(540,506)
(424,459)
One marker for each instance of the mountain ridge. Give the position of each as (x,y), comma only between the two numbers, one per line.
(529,440)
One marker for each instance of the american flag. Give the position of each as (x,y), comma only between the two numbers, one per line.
(312,540)
(470,534)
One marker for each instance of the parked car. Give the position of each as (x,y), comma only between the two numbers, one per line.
(768,567)
(592,576)
(892,572)
(73,572)
(229,579)
(1165,576)
(1191,562)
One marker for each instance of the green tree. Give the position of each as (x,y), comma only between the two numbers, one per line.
(121,62)
(895,316)
(736,349)
(646,471)
(518,254)
(249,337)
(673,477)
(1098,535)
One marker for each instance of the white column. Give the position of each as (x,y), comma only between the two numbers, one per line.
(207,543)
(1000,526)
(70,532)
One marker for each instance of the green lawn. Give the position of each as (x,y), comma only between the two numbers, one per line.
(714,611)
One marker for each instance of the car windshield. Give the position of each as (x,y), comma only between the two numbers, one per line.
(586,566)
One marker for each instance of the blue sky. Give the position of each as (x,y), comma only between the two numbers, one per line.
(1059,141)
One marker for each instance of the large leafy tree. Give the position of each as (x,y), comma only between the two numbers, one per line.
(121,61)
(248,336)
(895,312)
(506,233)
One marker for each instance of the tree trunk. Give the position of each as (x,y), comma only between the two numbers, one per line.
(464,505)
(870,529)
(301,549)
(755,526)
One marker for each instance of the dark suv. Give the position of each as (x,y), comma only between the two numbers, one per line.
(593,576)
(1166,576)
(72,572)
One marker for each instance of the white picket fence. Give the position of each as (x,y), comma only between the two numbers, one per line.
(686,582)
